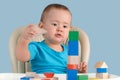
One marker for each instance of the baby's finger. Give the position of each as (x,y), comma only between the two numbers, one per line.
(86,70)
(80,66)
(84,64)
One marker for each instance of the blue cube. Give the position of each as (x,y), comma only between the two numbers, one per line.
(72,74)
(73,48)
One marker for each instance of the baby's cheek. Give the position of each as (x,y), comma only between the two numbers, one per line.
(66,37)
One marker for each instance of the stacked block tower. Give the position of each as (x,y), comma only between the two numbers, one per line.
(72,55)
(101,70)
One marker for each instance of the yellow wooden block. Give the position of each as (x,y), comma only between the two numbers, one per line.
(94,79)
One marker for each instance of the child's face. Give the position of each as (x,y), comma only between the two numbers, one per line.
(57,23)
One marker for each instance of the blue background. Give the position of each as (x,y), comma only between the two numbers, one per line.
(100,19)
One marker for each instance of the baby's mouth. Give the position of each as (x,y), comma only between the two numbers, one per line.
(58,35)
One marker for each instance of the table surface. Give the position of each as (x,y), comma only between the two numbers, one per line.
(17,76)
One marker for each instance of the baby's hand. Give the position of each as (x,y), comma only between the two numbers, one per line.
(31,31)
(82,67)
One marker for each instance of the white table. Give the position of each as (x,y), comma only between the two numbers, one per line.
(17,76)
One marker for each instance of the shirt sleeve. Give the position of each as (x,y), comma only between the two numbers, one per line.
(32,49)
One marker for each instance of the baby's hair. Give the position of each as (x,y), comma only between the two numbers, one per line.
(51,6)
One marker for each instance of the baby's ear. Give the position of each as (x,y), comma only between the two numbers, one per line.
(40,24)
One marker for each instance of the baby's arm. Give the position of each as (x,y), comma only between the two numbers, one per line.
(21,50)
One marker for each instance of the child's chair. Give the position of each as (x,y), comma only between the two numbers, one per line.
(22,67)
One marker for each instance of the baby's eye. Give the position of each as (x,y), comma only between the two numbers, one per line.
(54,24)
(64,26)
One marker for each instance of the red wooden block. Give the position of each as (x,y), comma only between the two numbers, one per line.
(49,74)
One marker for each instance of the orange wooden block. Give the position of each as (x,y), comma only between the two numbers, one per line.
(72,66)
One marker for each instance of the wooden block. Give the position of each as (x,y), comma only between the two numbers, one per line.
(94,79)
(49,74)
(82,77)
(72,66)
(101,70)
(43,78)
(73,48)
(101,64)
(73,60)
(73,35)
(25,78)
(72,74)
(102,75)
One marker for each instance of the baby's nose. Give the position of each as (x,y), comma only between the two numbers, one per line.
(60,29)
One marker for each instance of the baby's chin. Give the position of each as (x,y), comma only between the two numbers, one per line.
(58,41)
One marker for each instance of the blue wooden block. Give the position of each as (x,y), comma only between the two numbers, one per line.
(73,48)
(101,70)
(26,78)
(72,74)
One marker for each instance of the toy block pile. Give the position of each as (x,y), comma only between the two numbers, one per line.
(101,70)
(34,76)
(72,55)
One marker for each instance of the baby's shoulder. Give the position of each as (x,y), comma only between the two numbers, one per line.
(35,43)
